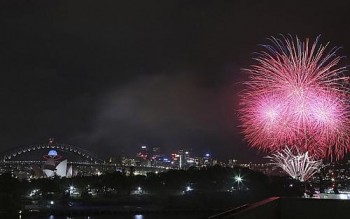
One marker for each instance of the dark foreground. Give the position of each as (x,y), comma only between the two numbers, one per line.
(290,208)
(141,207)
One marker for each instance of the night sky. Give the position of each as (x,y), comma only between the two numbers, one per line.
(110,76)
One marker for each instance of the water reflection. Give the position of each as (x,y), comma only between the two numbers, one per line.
(130,216)
(138,216)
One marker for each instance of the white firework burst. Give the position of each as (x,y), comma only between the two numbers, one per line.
(298,165)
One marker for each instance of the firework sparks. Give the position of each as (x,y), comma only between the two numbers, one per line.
(297,95)
(298,165)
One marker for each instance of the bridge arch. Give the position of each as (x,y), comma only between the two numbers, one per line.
(12,153)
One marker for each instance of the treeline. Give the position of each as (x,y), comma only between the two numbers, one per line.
(191,182)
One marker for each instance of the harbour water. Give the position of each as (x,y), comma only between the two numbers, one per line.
(137,216)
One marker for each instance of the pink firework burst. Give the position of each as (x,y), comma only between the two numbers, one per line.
(297,96)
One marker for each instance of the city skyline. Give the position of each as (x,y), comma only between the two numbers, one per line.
(112,76)
(141,152)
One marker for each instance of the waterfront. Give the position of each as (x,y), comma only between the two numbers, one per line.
(183,215)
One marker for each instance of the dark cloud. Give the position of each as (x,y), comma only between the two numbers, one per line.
(172,110)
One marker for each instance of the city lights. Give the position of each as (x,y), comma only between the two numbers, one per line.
(188,188)
(139,190)
(175,109)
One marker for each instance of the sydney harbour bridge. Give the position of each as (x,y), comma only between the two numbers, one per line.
(21,160)
(11,155)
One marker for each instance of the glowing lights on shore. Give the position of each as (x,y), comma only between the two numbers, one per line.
(238,179)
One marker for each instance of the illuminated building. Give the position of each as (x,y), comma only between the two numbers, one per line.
(207,160)
(143,153)
(128,161)
(63,160)
(232,163)
(53,166)
(155,151)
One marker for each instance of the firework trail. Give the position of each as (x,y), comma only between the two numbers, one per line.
(297,95)
(298,165)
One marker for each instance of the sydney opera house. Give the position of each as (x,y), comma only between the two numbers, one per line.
(52,159)
(53,166)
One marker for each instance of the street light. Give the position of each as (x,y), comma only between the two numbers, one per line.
(239,180)
(71,189)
